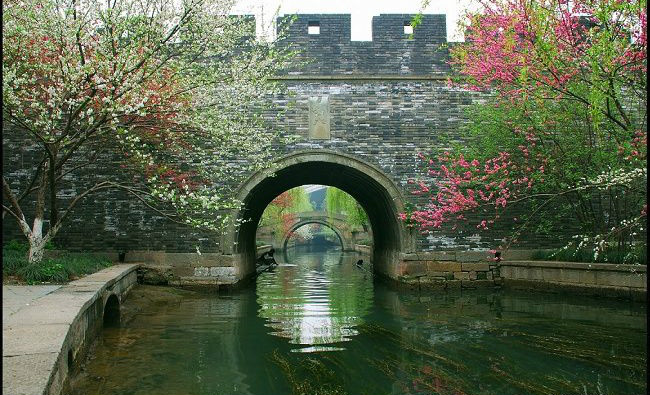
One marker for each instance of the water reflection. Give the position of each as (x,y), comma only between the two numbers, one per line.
(288,336)
(315,299)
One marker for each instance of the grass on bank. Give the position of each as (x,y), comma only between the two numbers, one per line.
(59,269)
(636,256)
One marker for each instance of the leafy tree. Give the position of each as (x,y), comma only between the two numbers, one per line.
(166,89)
(563,127)
(340,202)
(281,212)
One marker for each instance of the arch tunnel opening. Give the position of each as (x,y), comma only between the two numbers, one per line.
(372,189)
(314,218)
(314,229)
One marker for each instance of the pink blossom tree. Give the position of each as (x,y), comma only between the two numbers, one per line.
(563,129)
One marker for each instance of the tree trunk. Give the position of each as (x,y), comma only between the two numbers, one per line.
(36,251)
(36,242)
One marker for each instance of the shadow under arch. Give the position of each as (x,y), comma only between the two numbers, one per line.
(285,238)
(374,190)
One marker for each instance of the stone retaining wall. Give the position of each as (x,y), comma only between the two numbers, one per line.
(188,269)
(448,270)
(602,279)
(43,343)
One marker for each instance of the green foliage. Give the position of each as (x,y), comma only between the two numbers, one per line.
(340,202)
(564,107)
(635,255)
(57,269)
(15,246)
(279,213)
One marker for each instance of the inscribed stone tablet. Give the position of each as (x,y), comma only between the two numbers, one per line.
(319,118)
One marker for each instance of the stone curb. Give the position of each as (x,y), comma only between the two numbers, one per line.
(35,340)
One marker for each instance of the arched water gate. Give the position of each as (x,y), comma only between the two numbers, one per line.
(375,191)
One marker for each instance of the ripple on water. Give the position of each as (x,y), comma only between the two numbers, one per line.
(308,306)
(321,326)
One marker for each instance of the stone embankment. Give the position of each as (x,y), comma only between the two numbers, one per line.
(472,269)
(46,330)
(599,279)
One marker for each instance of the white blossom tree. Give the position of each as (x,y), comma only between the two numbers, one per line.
(169,87)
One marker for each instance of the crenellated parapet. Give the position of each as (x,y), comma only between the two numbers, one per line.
(325,46)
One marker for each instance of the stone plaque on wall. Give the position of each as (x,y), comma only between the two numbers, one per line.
(319,118)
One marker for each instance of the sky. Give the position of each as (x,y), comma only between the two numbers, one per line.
(361,11)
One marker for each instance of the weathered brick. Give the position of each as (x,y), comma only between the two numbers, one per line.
(466,267)
(443,266)
(461,275)
(413,268)
(380,122)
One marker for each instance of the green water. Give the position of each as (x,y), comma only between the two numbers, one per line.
(320,325)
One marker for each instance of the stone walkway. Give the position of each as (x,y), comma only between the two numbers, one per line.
(41,322)
(17,297)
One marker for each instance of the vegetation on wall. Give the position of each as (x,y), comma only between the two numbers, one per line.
(562,130)
(153,90)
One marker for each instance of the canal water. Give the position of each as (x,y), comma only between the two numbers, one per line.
(318,324)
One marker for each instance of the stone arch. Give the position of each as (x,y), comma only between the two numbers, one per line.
(112,311)
(285,238)
(372,188)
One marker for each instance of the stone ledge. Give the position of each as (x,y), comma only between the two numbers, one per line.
(184,259)
(579,265)
(443,266)
(201,281)
(483,267)
(39,340)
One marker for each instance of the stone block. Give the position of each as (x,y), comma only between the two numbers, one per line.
(570,276)
(472,275)
(466,267)
(489,275)
(453,284)
(638,280)
(461,275)
(222,271)
(413,268)
(472,256)
(517,255)
(443,256)
(482,275)
(433,285)
(550,274)
(587,277)
(467,284)
(441,275)
(156,274)
(535,273)
(434,266)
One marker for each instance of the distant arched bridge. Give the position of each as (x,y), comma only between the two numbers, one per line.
(337,222)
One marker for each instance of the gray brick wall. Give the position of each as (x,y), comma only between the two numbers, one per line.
(384,122)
